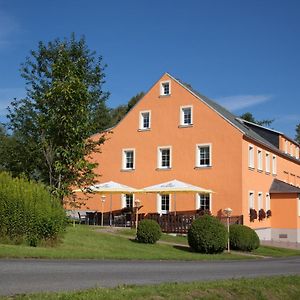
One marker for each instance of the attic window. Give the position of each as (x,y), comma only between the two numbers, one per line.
(165,88)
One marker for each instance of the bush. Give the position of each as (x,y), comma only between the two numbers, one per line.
(207,235)
(148,232)
(243,238)
(28,212)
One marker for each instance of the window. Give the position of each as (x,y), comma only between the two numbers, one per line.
(165,88)
(267,162)
(267,201)
(203,202)
(285,146)
(164,158)
(259,201)
(164,203)
(145,121)
(127,200)
(186,116)
(251,200)
(291,149)
(274,165)
(251,156)
(297,152)
(259,159)
(128,159)
(203,155)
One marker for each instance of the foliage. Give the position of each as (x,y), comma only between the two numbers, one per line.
(207,235)
(297,137)
(252,214)
(28,212)
(243,238)
(250,118)
(148,232)
(52,125)
(261,214)
(202,212)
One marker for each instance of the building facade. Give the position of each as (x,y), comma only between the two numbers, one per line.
(174,132)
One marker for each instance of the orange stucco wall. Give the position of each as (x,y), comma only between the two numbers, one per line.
(224,177)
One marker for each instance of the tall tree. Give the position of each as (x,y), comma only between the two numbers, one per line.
(250,118)
(297,137)
(64,96)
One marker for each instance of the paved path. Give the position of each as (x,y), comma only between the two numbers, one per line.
(24,276)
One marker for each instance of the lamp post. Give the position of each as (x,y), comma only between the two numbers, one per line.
(103,197)
(228,212)
(137,204)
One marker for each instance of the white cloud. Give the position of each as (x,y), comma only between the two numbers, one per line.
(238,102)
(8,26)
(288,118)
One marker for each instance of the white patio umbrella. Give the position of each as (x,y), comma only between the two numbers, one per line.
(110,187)
(174,187)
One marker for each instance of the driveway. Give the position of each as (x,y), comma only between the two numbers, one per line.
(24,276)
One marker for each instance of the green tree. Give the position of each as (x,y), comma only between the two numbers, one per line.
(250,118)
(64,98)
(297,137)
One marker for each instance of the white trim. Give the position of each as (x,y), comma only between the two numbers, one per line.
(268,202)
(267,162)
(181,115)
(123,200)
(297,152)
(251,163)
(259,201)
(274,164)
(197,161)
(141,120)
(251,205)
(161,88)
(259,159)
(285,146)
(159,204)
(159,158)
(123,167)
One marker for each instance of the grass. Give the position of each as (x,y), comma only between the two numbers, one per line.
(281,287)
(83,242)
(88,242)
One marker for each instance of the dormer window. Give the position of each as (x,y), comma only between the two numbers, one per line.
(165,88)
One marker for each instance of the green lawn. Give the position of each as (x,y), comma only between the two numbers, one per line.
(274,288)
(88,242)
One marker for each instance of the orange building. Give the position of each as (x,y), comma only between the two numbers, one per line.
(174,132)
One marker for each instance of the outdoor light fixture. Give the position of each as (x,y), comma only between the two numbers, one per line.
(137,204)
(103,197)
(227,212)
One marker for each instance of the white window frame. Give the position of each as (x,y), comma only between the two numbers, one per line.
(251,156)
(267,162)
(123,200)
(159,157)
(297,152)
(259,159)
(159,204)
(268,202)
(286,146)
(141,121)
(198,146)
(259,200)
(291,149)
(251,200)
(124,158)
(198,202)
(162,88)
(274,164)
(182,108)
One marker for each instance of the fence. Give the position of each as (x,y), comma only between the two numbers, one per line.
(180,223)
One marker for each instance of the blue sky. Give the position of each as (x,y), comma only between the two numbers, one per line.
(245,54)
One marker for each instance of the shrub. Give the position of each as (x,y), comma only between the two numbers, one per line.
(243,238)
(28,212)
(148,232)
(207,235)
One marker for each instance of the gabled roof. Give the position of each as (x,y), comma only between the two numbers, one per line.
(281,187)
(232,119)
